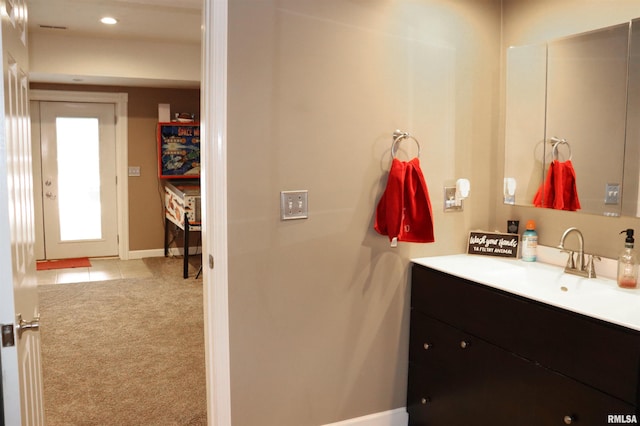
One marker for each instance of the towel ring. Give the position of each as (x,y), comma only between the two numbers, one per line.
(397,137)
(557,141)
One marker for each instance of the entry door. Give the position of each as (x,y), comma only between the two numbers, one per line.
(78,179)
(20,352)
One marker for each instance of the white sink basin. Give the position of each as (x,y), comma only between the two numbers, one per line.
(595,297)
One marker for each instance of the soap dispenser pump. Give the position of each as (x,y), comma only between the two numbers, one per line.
(628,263)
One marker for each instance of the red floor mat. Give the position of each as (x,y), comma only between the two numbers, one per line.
(81,262)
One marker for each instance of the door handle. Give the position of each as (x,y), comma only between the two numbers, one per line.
(50,195)
(23,325)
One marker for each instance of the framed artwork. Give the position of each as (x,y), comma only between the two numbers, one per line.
(178,150)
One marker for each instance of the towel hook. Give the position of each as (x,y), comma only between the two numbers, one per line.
(557,141)
(399,135)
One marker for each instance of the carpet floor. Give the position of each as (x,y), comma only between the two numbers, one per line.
(125,352)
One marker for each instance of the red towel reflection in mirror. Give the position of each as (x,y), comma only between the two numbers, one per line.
(559,189)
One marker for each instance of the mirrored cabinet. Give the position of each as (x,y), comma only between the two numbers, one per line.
(570,120)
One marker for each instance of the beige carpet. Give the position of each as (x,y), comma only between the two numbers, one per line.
(125,352)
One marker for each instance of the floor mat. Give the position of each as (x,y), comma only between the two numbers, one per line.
(81,262)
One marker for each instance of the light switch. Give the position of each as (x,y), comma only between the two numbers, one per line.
(134,170)
(293,205)
(612,193)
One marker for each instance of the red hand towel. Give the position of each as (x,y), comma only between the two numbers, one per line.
(566,191)
(404,210)
(544,196)
(559,190)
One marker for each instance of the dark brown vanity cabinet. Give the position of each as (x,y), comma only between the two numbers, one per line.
(481,356)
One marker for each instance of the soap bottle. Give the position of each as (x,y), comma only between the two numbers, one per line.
(628,263)
(530,242)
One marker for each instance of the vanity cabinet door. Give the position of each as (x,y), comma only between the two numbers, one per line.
(459,379)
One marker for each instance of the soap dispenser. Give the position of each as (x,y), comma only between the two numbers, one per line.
(628,263)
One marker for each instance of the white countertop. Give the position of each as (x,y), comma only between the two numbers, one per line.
(595,297)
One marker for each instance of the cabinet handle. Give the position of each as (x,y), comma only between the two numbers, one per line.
(425,401)
(568,420)
(464,344)
(427,346)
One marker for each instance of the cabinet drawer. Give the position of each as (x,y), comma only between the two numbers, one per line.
(482,384)
(594,352)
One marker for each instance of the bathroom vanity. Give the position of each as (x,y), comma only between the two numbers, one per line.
(491,346)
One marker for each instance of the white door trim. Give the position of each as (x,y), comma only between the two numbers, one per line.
(213,132)
(122,158)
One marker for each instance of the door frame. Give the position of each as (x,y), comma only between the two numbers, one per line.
(120,101)
(213,131)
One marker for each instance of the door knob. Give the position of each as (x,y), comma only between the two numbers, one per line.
(50,195)
(24,325)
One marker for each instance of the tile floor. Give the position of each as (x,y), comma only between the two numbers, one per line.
(100,270)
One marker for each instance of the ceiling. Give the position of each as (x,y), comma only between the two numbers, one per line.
(156,20)
(176,21)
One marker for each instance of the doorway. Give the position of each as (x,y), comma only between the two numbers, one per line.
(121,207)
(74,145)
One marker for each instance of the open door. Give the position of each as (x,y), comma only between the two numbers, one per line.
(20,346)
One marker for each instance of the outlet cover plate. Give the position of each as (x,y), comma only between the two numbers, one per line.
(294,205)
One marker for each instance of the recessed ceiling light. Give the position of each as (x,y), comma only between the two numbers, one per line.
(109,20)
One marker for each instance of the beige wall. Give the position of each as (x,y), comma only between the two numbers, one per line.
(319,307)
(56,57)
(146,220)
(527,22)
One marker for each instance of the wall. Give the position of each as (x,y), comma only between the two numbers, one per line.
(146,212)
(319,307)
(528,22)
(57,58)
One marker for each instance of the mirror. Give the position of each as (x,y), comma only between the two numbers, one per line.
(567,104)
(630,197)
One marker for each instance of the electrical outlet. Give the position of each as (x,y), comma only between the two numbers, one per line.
(293,205)
(134,170)
(450,203)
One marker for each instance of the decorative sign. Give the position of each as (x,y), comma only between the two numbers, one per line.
(493,244)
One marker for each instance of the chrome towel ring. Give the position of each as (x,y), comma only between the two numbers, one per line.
(557,141)
(399,135)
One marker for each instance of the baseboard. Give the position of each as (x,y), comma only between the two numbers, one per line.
(397,417)
(173,251)
(139,254)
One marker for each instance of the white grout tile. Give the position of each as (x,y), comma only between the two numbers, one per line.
(72,275)
(100,270)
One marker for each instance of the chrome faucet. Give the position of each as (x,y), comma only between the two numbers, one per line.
(578,266)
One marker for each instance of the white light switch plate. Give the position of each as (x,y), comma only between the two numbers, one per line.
(293,205)
(134,170)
